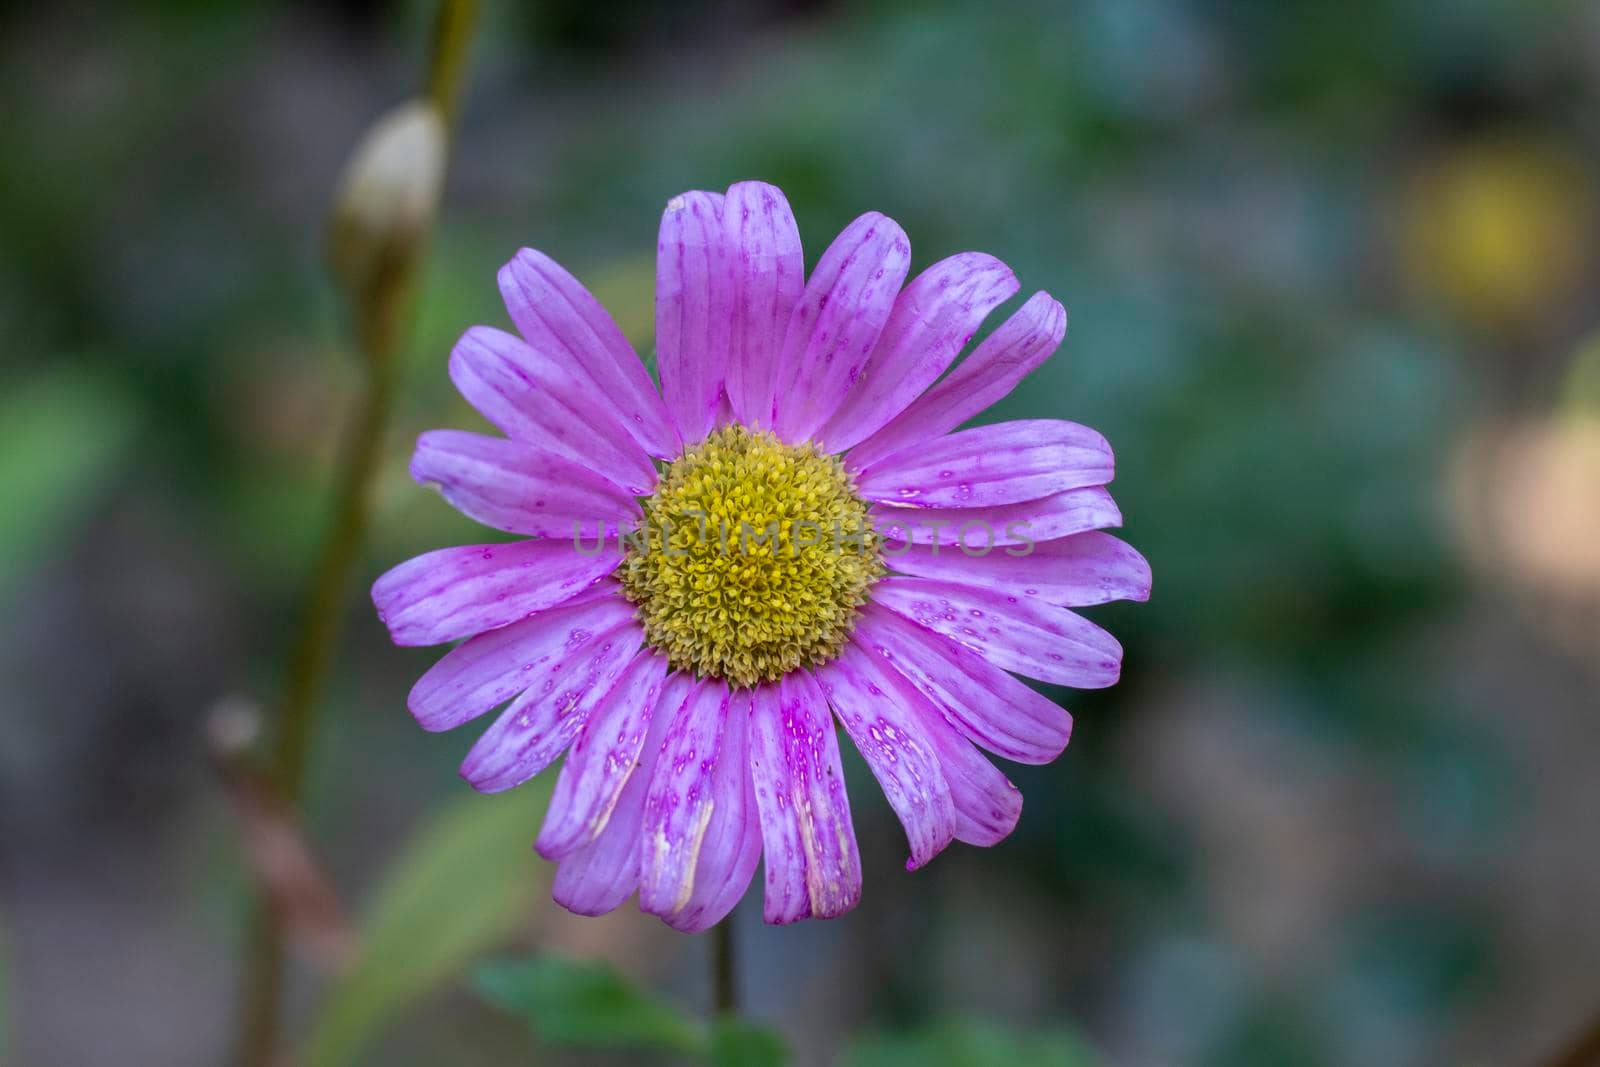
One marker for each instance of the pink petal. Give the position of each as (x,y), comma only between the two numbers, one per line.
(494,667)
(1014,633)
(987,466)
(512,487)
(453,593)
(603,758)
(985,703)
(933,319)
(869,700)
(986,806)
(837,322)
(1087,568)
(1017,527)
(694,298)
(548,403)
(768,276)
(541,723)
(599,876)
(813,868)
(562,320)
(731,847)
(994,368)
(683,799)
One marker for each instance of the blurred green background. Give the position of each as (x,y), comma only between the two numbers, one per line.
(1332,290)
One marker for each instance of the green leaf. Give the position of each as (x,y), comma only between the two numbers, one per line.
(568,1002)
(460,888)
(970,1045)
(66,433)
(592,1005)
(736,1043)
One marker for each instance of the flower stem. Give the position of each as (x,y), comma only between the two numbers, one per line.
(724,985)
(381,328)
(447,65)
(258,1020)
(314,648)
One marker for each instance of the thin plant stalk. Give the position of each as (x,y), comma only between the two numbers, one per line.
(381,324)
(724,976)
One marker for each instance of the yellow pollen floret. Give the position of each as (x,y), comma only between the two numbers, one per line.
(753,558)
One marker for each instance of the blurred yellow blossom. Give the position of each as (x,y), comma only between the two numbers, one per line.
(1496,231)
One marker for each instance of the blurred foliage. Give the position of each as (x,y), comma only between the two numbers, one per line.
(571,1002)
(967,1044)
(66,432)
(590,1005)
(734,1042)
(1581,393)
(1269,1033)
(462,886)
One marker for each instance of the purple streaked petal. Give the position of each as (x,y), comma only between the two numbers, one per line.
(519,489)
(547,402)
(1013,633)
(494,667)
(1077,571)
(985,703)
(838,321)
(786,899)
(682,799)
(987,466)
(562,319)
(768,276)
(731,846)
(986,806)
(1013,526)
(892,739)
(813,868)
(994,368)
(694,298)
(541,723)
(599,876)
(933,319)
(453,593)
(603,758)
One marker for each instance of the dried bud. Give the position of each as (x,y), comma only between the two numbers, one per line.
(386,203)
(290,876)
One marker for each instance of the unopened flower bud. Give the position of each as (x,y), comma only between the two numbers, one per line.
(387,201)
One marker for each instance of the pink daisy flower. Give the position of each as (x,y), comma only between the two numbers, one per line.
(791,531)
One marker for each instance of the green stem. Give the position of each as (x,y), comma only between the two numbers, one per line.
(312,657)
(314,649)
(724,986)
(381,328)
(447,66)
(258,1021)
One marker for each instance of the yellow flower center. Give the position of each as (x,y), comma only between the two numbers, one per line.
(753,559)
